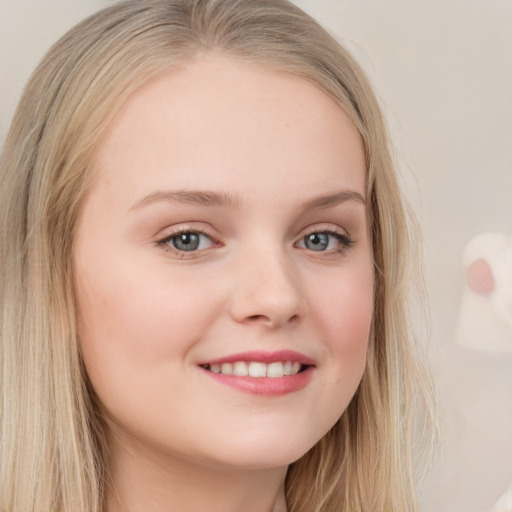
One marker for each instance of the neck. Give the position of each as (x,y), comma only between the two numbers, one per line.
(144,480)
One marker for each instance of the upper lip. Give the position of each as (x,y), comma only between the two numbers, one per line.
(263,357)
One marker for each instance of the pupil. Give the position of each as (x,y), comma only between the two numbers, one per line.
(317,241)
(186,242)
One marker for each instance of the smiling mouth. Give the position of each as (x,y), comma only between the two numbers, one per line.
(256,369)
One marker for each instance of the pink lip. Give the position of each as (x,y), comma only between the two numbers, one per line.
(267,386)
(263,357)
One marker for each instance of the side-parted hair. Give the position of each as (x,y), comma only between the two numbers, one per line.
(53,456)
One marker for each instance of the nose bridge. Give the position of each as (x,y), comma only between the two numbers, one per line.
(267,285)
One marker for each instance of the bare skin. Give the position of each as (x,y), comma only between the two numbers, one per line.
(227,219)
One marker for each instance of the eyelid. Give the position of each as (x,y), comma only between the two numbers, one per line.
(345,239)
(173,231)
(341,234)
(326,227)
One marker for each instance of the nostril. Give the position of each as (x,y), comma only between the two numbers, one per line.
(269,318)
(272,320)
(270,302)
(259,318)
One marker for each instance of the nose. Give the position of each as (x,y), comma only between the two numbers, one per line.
(267,290)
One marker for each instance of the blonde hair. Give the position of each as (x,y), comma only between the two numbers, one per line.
(51,437)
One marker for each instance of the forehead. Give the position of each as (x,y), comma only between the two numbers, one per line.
(215,118)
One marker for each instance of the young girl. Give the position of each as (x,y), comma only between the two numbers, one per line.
(205,256)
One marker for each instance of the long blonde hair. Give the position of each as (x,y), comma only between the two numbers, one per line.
(53,456)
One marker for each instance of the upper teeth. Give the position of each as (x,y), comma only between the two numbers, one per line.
(256,369)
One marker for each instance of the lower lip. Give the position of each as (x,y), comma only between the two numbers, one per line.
(267,386)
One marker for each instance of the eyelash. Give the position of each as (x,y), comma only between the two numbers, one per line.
(345,240)
(165,242)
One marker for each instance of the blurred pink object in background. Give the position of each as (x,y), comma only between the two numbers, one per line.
(485,318)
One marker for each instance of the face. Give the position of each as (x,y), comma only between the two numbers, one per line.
(223,269)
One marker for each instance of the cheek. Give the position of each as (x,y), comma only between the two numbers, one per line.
(343,311)
(344,301)
(132,322)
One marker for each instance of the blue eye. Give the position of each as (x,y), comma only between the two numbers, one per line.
(317,241)
(325,241)
(189,241)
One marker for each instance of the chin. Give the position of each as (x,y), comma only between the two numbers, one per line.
(263,451)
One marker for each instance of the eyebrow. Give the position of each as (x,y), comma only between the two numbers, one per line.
(211,198)
(199,197)
(331,200)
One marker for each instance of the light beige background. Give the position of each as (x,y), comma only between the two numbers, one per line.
(443,72)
